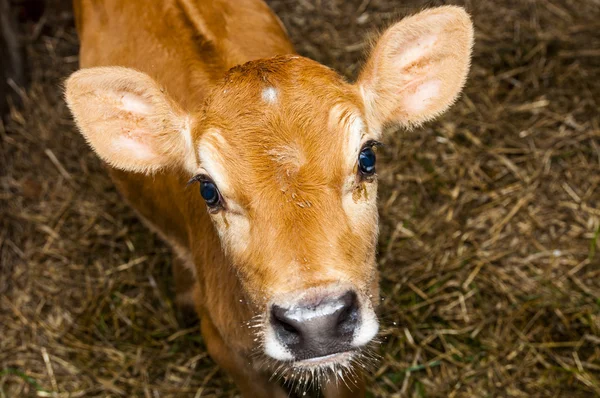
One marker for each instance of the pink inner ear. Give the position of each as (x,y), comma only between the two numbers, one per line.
(412,52)
(419,98)
(134,145)
(135,104)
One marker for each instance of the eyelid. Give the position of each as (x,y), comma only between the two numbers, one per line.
(199,178)
(370,144)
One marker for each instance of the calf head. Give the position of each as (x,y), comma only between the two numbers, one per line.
(283,151)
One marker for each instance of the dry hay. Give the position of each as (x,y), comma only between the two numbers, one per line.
(490,219)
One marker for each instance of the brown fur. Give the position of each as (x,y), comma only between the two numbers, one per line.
(284,229)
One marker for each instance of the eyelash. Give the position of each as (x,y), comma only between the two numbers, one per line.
(371,143)
(197,178)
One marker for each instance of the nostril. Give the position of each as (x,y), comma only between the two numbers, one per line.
(348,316)
(285,330)
(287,327)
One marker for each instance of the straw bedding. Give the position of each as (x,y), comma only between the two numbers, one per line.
(490,222)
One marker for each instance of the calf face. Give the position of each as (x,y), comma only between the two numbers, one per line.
(283,152)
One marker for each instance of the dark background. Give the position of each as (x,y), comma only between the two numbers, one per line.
(490,221)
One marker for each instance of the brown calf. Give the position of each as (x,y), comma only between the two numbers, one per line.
(277,250)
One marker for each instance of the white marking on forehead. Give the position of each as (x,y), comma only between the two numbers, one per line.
(269,95)
(211,159)
(304,314)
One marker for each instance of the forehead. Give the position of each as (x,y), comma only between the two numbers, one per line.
(282,92)
(287,119)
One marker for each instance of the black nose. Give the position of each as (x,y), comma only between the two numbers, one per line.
(316,330)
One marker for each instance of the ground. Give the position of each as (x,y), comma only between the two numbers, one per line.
(490,222)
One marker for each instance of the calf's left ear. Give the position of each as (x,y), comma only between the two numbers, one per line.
(417,68)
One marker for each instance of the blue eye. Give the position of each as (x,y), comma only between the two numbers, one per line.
(366,161)
(210,193)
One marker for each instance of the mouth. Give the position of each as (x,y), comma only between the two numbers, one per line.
(302,375)
(342,359)
(307,376)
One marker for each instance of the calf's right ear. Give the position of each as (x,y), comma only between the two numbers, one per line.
(129,121)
